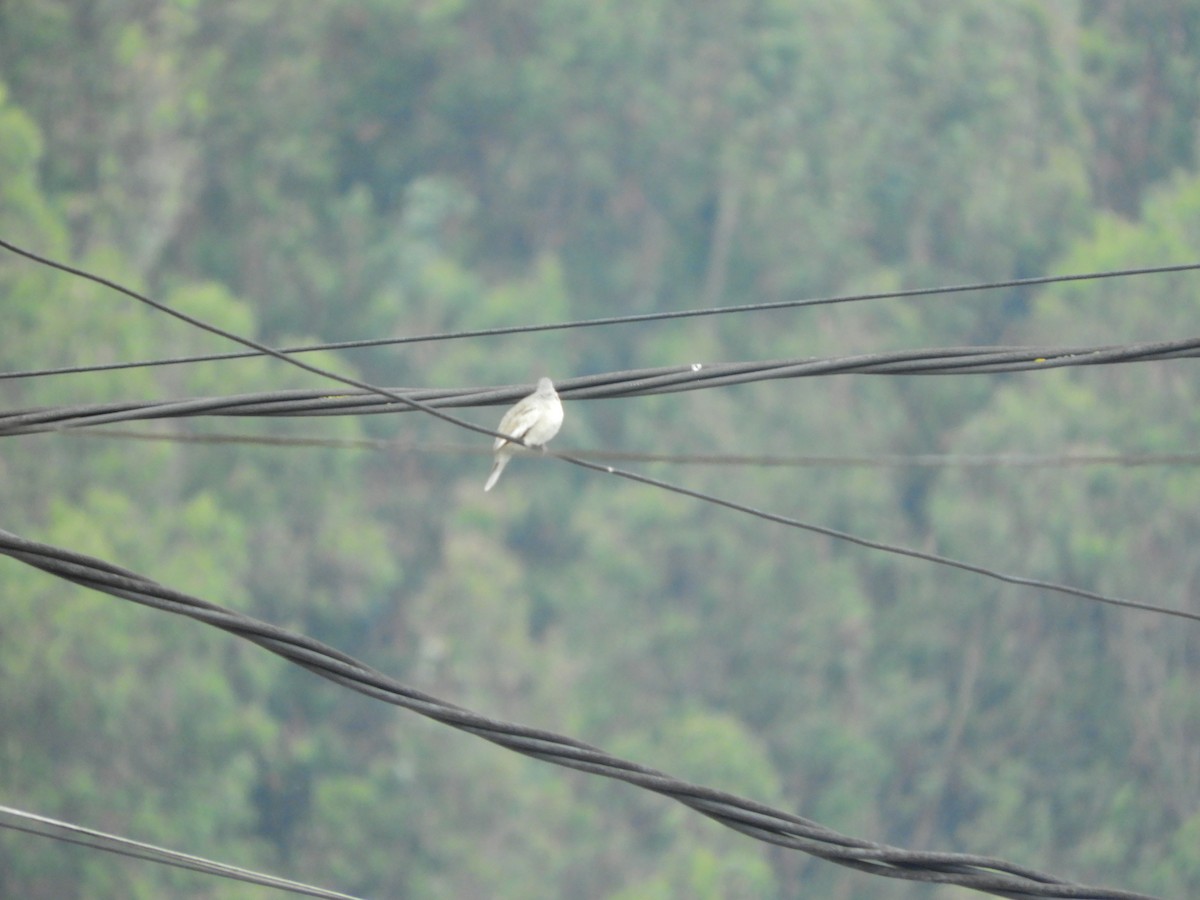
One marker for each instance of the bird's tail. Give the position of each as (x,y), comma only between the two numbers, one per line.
(497,468)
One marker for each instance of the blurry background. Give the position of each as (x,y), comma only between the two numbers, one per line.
(370,168)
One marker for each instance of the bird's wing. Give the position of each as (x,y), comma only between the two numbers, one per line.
(517,421)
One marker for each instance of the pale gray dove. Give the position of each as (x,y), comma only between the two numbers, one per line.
(534,419)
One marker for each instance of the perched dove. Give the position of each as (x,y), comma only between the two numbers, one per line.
(535,419)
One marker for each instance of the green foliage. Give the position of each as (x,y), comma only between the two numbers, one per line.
(1140,91)
(21,202)
(1119,673)
(358,169)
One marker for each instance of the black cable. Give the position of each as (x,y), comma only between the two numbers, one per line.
(610,320)
(371,400)
(981,873)
(41,826)
(896,549)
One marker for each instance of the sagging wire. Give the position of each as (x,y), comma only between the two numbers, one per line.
(636,318)
(757,820)
(895,549)
(43,826)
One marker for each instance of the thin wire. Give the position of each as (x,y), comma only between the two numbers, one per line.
(980,873)
(247,342)
(880,545)
(608,320)
(723,460)
(42,826)
(639,382)
(883,546)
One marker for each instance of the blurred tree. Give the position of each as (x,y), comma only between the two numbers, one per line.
(1131,532)
(1141,91)
(361,169)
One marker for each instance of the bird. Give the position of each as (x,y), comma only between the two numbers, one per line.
(534,419)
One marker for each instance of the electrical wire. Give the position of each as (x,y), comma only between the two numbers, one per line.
(980,873)
(895,549)
(724,460)
(637,318)
(372,400)
(42,826)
